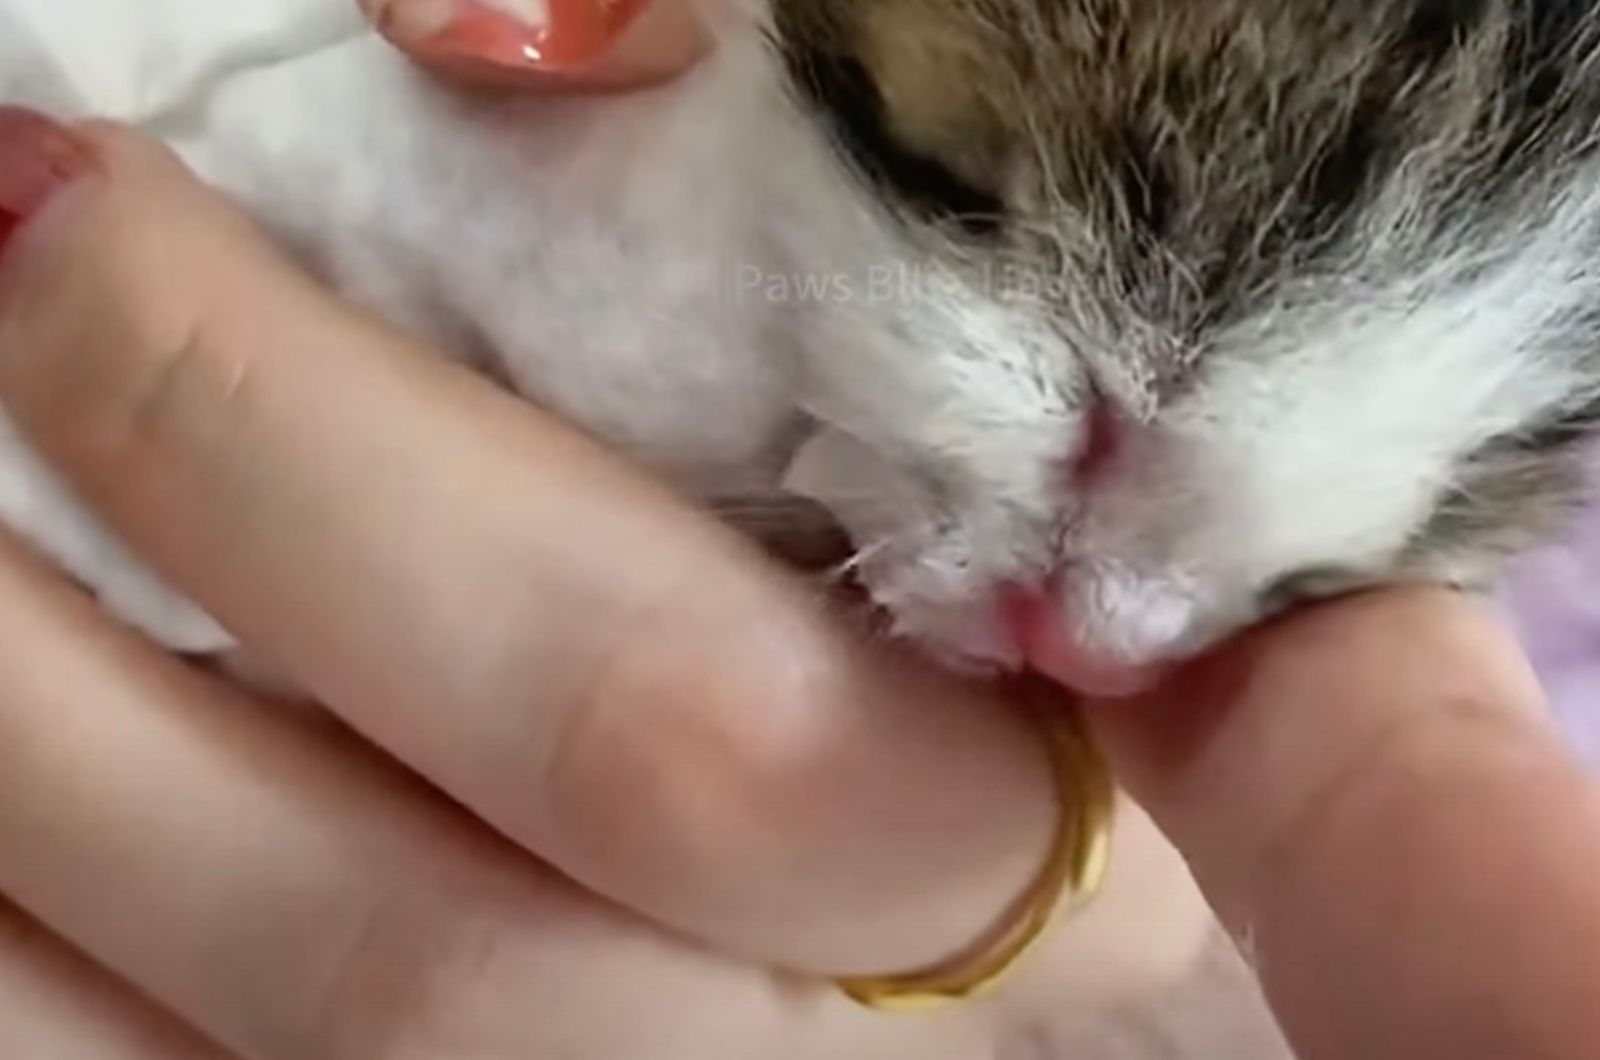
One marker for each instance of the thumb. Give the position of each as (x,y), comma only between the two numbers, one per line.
(576,45)
(1239,749)
(1374,799)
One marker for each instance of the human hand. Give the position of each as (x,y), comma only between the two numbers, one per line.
(586,670)
(1376,803)
(120,768)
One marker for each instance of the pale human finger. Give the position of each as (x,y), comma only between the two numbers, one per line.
(56,1003)
(294,897)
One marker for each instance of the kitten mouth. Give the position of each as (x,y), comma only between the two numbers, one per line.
(1046,641)
(1089,674)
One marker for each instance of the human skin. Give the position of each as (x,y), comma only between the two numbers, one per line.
(1374,798)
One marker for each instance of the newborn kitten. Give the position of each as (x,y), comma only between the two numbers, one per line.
(1105,327)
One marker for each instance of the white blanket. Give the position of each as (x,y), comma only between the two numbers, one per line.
(131,61)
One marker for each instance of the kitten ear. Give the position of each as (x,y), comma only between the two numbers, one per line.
(558,45)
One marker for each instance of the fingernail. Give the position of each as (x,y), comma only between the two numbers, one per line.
(549,36)
(38,158)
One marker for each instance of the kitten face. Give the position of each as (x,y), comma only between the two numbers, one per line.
(1200,308)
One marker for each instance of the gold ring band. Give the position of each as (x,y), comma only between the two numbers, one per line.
(1071,878)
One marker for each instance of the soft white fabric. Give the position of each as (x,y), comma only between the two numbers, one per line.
(134,60)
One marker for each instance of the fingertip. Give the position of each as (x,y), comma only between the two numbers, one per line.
(109,279)
(125,147)
(42,160)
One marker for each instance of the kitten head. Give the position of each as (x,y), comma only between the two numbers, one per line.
(1188,310)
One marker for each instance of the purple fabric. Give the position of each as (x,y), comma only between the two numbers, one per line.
(1552,599)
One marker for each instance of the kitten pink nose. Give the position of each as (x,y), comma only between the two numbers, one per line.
(1050,646)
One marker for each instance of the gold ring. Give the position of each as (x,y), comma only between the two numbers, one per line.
(1071,878)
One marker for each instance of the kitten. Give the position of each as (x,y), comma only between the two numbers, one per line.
(1104,326)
